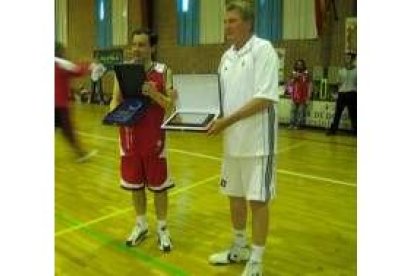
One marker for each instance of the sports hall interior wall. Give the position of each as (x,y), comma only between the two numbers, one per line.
(82,35)
(205,58)
(327,49)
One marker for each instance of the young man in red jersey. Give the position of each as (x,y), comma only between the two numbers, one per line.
(142,145)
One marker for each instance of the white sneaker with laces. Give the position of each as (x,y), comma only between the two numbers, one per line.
(164,240)
(253,269)
(235,254)
(137,235)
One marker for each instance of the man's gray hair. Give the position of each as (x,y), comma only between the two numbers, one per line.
(244,8)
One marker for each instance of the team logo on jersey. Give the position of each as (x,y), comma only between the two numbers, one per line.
(223,183)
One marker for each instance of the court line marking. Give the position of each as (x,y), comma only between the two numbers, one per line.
(97,136)
(122,211)
(215,158)
(183,151)
(137,253)
(281,171)
(119,212)
(177,191)
(332,142)
(325,179)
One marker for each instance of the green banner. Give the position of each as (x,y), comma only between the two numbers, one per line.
(109,57)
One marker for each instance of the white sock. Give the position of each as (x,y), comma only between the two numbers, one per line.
(257,253)
(142,220)
(240,237)
(161,224)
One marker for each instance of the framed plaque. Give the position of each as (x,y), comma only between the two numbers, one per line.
(130,78)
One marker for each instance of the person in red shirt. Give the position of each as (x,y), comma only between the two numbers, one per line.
(299,87)
(142,145)
(65,70)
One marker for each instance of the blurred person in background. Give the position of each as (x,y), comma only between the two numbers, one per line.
(347,94)
(97,72)
(299,87)
(65,70)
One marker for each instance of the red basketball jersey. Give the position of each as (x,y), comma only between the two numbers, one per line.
(146,136)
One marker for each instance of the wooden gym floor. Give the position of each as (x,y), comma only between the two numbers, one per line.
(312,220)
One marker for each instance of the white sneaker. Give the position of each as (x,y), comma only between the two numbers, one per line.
(86,156)
(235,254)
(253,269)
(164,240)
(137,235)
